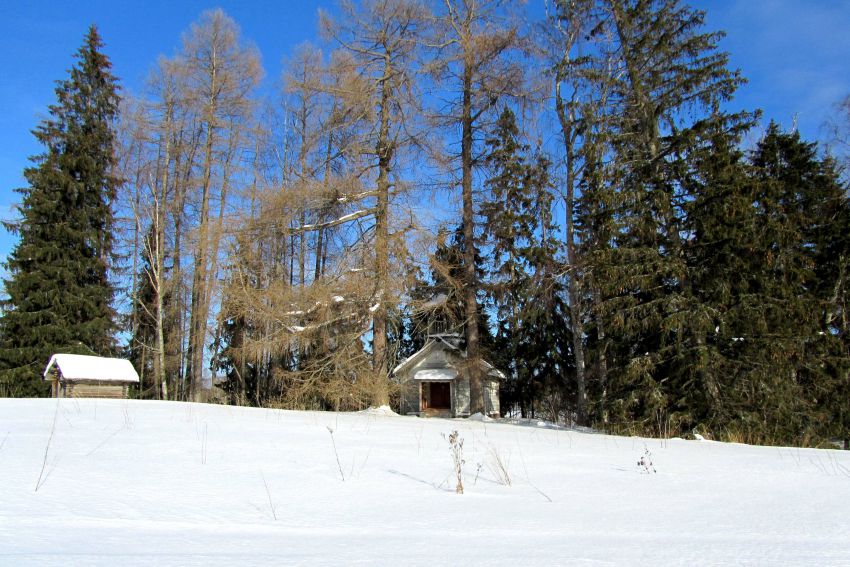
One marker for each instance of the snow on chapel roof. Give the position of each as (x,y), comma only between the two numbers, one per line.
(436,374)
(81,367)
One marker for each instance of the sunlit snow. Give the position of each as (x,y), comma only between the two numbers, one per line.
(158,483)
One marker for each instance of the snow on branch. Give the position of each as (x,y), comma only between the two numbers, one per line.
(345,198)
(341,220)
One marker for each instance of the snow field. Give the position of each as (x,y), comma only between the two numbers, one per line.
(166,483)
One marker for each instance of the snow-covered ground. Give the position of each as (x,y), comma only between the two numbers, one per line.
(157,483)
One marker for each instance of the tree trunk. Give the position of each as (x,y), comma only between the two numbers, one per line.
(566,119)
(320,237)
(573,291)
(473,349)
(198,315)
(177,303)
(302,162)
(380,394)
(602,369)
(161,381)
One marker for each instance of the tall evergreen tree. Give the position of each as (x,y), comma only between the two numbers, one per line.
(794,349)
(664,79)
(519,235)
(721,265)
(59,294)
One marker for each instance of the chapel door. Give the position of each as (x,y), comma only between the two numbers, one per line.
(441,395)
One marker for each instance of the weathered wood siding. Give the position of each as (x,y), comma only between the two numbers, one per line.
(460,405)
(92,390)
(491,397)
(410,399)
(409,396)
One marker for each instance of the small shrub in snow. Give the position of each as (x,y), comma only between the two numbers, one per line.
(478,468)
(645,463)
(336,454)
(456,447)
(498,466)
(269,495)
(41,477)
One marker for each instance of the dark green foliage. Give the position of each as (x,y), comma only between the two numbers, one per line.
(714,286)
(712,282)
(243,379)
(59,294)
(757,348)
(437,301)
(719,253)
(442,297)
(802,219)
(522,284)
(768,241)
(658,115)
(446,278)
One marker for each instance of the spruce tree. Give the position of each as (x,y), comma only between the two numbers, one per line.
(508,228)
(58,291)
(526,294)
(660,107)
(764,259)
(794,348)
(722,268)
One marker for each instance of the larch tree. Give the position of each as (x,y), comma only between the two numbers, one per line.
(191,130)
(304,80)
(59,296)
(147,164)
(220,74)
(382,38)
(270,283)
(474,46)
(311,322)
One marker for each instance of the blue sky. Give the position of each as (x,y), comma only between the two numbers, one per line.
(795,53)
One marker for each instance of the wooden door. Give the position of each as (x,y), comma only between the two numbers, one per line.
(441,395)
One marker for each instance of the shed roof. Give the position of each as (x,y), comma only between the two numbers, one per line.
(82,367)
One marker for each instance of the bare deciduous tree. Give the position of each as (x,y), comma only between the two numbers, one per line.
(382,38)
(220,75)
(473,42)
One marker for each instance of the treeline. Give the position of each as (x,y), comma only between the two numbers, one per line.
(610,240)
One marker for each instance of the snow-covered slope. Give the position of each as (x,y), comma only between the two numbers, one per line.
(151,483)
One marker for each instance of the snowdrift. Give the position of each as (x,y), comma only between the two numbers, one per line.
(159,483)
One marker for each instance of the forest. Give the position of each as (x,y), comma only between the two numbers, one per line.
(570,195)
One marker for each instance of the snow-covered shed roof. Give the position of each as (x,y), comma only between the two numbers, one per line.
(82,367)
